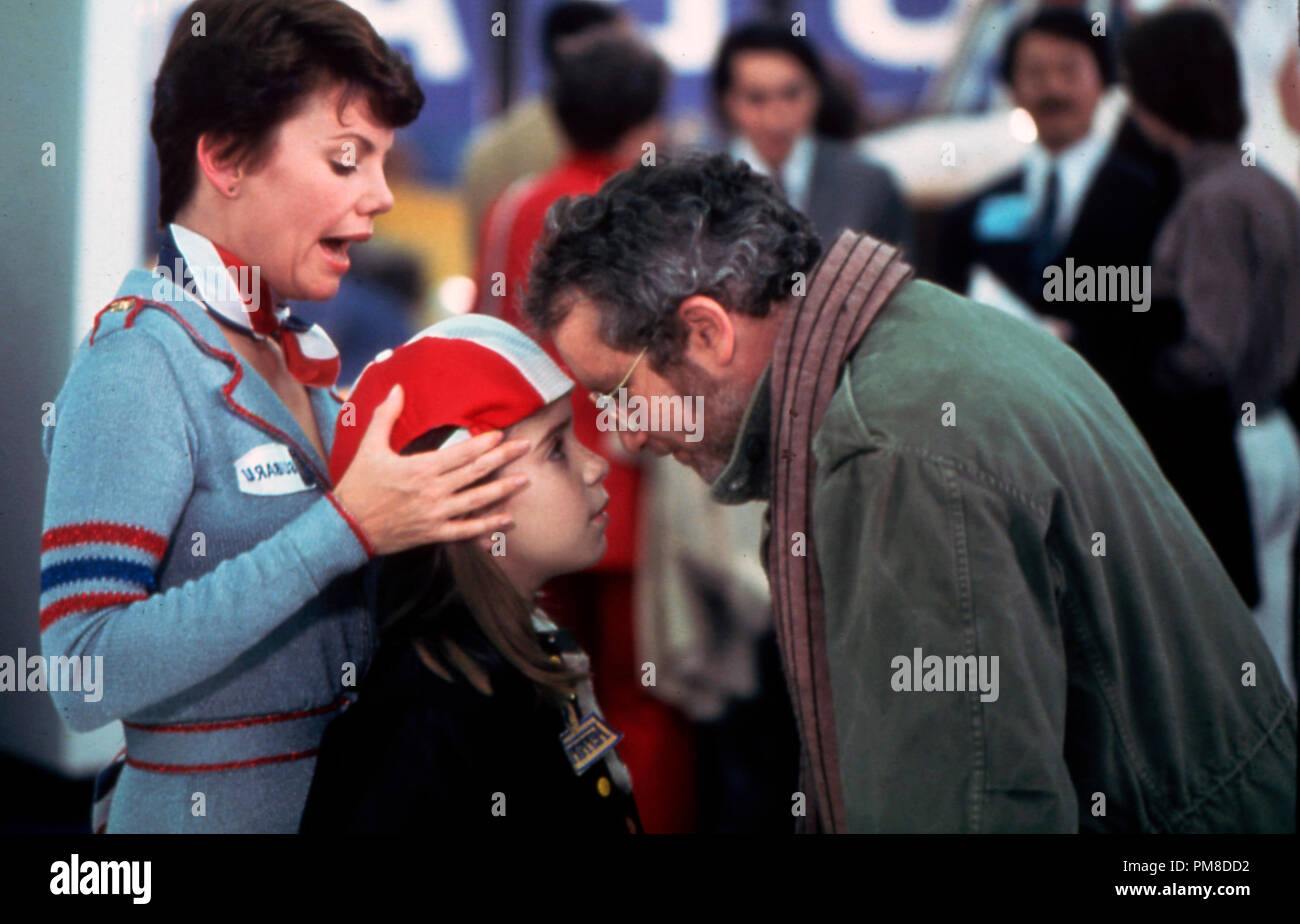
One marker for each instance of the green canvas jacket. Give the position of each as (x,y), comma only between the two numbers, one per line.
(981,494)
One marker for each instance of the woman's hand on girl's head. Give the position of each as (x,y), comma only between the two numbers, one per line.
(401,502)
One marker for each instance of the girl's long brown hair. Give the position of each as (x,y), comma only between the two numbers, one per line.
(419,590)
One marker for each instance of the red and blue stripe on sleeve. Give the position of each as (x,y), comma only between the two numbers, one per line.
(91,565)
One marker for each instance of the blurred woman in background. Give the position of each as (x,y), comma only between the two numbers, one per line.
(772,90)
(1230,254)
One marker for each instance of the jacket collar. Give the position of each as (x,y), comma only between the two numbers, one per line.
(795,174)
(251,393)
(600,165)
(1077,166)
(748,473)
(1205,156)
(232,290)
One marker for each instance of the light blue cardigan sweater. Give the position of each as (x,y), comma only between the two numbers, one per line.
(224,666)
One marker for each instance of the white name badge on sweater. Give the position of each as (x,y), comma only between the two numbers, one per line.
(269,469)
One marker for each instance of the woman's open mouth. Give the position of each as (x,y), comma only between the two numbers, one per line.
(336,253)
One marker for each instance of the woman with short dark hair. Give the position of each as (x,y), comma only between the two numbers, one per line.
(194,538)
(789,118)
(1229,253)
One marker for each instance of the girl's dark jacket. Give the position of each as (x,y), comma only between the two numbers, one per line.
(419,754)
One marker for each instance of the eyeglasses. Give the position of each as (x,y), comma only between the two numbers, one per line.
(601,399)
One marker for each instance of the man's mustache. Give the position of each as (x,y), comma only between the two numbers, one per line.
(1053,105)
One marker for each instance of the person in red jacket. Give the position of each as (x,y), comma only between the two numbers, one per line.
(606,93)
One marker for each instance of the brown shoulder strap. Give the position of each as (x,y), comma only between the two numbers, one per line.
(855,279)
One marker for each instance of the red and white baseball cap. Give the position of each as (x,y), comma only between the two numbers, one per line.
(474,372)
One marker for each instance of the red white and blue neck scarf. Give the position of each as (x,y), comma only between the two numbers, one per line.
(235,295)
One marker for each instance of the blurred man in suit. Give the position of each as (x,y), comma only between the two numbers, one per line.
(1075,195)
(1080,201)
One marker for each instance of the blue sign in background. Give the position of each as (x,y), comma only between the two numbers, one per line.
(889,44)
(893,46)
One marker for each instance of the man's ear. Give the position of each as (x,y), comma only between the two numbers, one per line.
(223,171)
(710,335)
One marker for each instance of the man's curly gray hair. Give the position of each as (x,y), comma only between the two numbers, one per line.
(654,236)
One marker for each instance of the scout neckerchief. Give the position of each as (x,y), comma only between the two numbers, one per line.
(588,738)
(236,295)
(818,333)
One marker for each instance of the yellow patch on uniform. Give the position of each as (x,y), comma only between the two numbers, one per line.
(588,742)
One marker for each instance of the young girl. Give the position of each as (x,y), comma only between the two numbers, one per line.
(477,712)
